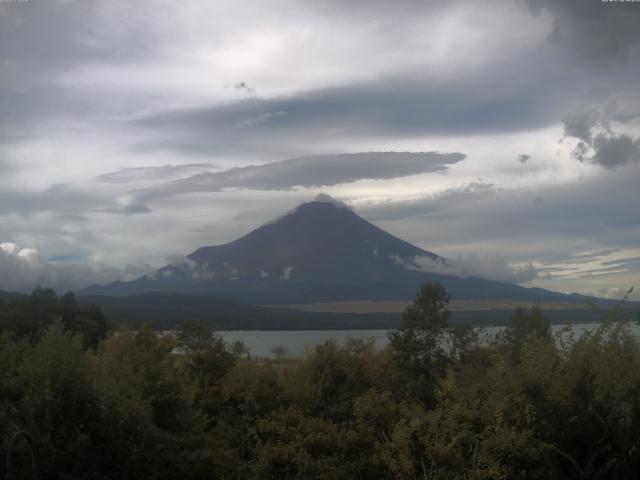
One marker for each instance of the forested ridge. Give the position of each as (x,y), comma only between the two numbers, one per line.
(438,403)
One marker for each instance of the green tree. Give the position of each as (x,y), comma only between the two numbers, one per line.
(151,426)
(418,344)
(463,338)
(337,375)
(294,446)
(280,352)
(206,357)
(526,325)
(29,317)
(51,396)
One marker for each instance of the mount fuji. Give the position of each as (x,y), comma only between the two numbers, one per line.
(321,251)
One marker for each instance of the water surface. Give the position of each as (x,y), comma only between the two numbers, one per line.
(262,342)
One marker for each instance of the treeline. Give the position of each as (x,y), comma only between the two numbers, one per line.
(438,403)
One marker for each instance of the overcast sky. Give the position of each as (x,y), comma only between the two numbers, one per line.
(131,132)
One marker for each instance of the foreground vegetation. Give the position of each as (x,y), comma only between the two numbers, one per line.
(438,403)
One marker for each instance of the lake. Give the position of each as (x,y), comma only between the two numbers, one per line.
(261,342)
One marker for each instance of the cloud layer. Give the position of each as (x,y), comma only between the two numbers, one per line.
(316,171)
(21,269)
(490,267)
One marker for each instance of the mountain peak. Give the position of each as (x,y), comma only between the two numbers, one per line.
(320,251)
(324,198)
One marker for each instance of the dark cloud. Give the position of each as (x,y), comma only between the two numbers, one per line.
(600,32)
(66,202)
(393,107)
(581,123)
(44,45)
(42,30)
(401,102)
(59,198)
(165,172)
(616,150)
(242,86)
(315,171)
(597,142)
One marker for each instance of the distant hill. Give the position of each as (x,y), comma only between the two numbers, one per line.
(168,310)
(319,252)
(9,295)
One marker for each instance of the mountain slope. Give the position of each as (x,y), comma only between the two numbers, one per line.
(319,242)
(319,252)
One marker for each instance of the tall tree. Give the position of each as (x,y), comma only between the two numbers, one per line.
(417,344)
